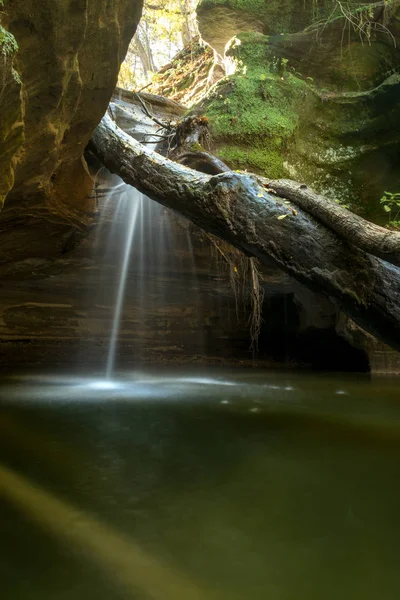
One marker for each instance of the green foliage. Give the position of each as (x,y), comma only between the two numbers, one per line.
(165,27)
(391,205)
(343,204)
(8,43)
(8,47)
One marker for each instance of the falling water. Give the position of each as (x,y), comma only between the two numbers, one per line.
(143,265)
(133,200)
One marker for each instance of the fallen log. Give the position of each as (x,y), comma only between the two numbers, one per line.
(238,208)
(372,238)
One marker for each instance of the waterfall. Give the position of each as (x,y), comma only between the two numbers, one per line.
(131,201)
(145,262)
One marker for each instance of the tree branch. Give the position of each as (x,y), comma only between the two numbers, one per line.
(372,238)
(238,209)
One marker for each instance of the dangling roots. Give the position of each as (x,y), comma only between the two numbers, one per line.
(256,296)
(245,280)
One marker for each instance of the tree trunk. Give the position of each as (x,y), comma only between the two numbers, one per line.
(145,29)
(365,235)
(144,58)
(238,208)
(185,33)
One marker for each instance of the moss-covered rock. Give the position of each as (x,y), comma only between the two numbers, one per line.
(220,20)
(274,16)
(254,112)
(319,105)
(347,145)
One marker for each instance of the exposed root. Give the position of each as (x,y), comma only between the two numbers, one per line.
(255,295)
(245,280)
(364,20)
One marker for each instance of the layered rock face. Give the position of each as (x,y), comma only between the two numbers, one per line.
(312,93)
(220,20)
(60,62)
(180,306)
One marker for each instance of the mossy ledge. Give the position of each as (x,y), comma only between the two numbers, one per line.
(253,112)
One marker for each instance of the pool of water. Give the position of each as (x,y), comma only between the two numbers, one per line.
(169,486)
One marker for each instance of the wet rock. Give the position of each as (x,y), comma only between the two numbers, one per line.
(54,91)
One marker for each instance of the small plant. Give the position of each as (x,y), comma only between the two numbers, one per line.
(391,205)
(343,204)
(284,64)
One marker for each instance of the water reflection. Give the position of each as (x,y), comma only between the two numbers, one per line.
(236,485)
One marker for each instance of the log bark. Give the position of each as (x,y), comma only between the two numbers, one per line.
(158,104)
(238,208)
(363,234)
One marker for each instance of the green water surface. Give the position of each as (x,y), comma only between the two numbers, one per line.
(250,486)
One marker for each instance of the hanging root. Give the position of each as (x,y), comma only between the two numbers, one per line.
(245,280)
(256,297)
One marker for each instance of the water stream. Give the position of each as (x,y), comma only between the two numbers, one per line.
(141,271)
(132,203)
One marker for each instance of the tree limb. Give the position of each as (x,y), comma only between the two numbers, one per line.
(148,113)
(238,209)
(372,238)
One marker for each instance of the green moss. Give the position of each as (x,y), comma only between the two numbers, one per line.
(254,107)
(265,161)
(252,113)
(8,43)
(8,47)
(16,77)
(185,82)
(269,118)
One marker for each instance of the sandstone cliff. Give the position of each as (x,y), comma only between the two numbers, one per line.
(59,64)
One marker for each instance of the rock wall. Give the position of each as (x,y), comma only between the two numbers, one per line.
(180,304)
(59,63)
(312,93)
(59,66)
(179,307)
